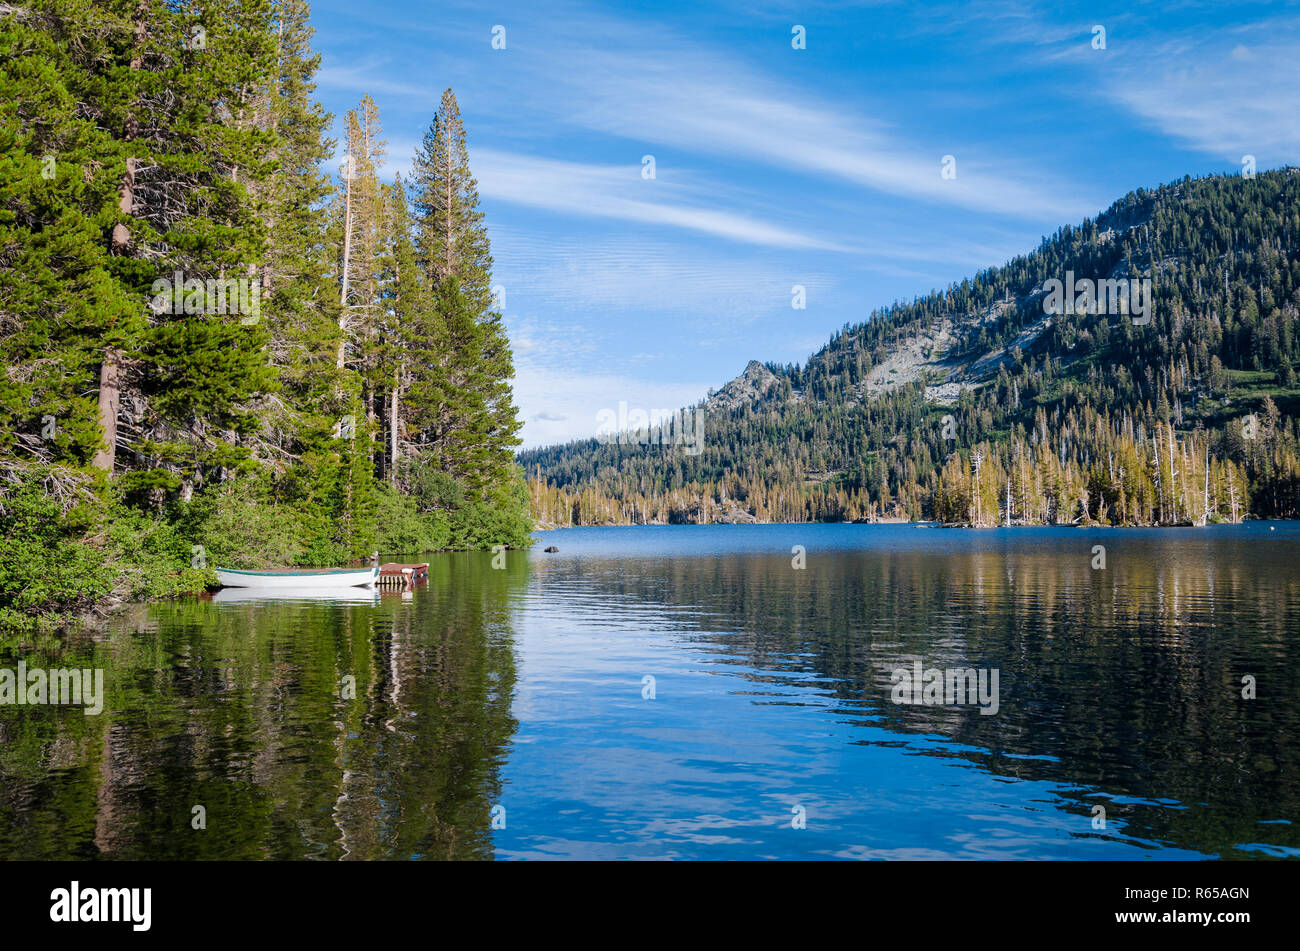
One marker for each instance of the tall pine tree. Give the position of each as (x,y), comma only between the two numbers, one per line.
(468,421)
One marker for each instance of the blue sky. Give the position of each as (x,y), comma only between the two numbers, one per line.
(776,166)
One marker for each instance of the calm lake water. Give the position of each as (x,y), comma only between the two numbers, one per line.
(686,692)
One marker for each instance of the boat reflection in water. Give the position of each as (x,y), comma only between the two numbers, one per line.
(337,595)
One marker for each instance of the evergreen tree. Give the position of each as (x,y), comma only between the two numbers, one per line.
(199,353)
(468,421)
(154,192)
(409,332)
(451,237)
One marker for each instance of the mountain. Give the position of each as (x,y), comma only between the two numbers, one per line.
(1007,399)
(753,384)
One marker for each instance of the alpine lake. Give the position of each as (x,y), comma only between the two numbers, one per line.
(696,692)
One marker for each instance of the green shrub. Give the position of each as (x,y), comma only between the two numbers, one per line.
(152,556)
(473,524)
(46,565)
(238,528)
(402,528)
(56,565)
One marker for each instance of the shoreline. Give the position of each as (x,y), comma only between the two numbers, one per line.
(102,612)
(925,523)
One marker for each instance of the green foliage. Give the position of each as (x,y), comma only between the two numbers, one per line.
(130,156)
(452,239)
(151,555)
(45,564)
(403,529)
(239,528)
(502,518)
(461,407)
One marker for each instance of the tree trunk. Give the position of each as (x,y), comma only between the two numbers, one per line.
(1160,496)
(1205,509)
(110,370)
(347,255)
(1173,484)
(392,426)
(110,402)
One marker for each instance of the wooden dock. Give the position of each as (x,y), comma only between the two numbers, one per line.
(393,575)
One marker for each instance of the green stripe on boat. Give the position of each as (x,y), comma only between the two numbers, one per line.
(298,574)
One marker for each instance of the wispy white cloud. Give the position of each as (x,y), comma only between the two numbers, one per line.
(630,277)
(372,76)
(656,87)
(1004,23)
(814,139)
(612,191)
(1225,95)
(1225,91)
(558,406)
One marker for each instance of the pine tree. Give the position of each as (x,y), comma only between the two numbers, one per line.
(452,240)
(154,190)
(58,296)
(360,211)
(406,310)
(151,154)
(468,420)
(300,305)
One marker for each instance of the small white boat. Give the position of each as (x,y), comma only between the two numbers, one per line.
(328,578)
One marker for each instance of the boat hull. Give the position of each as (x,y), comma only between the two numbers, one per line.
(297,580)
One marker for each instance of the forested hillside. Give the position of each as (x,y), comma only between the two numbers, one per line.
(217,350)
(973,405)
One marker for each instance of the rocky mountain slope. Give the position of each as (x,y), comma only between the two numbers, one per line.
(869,425)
